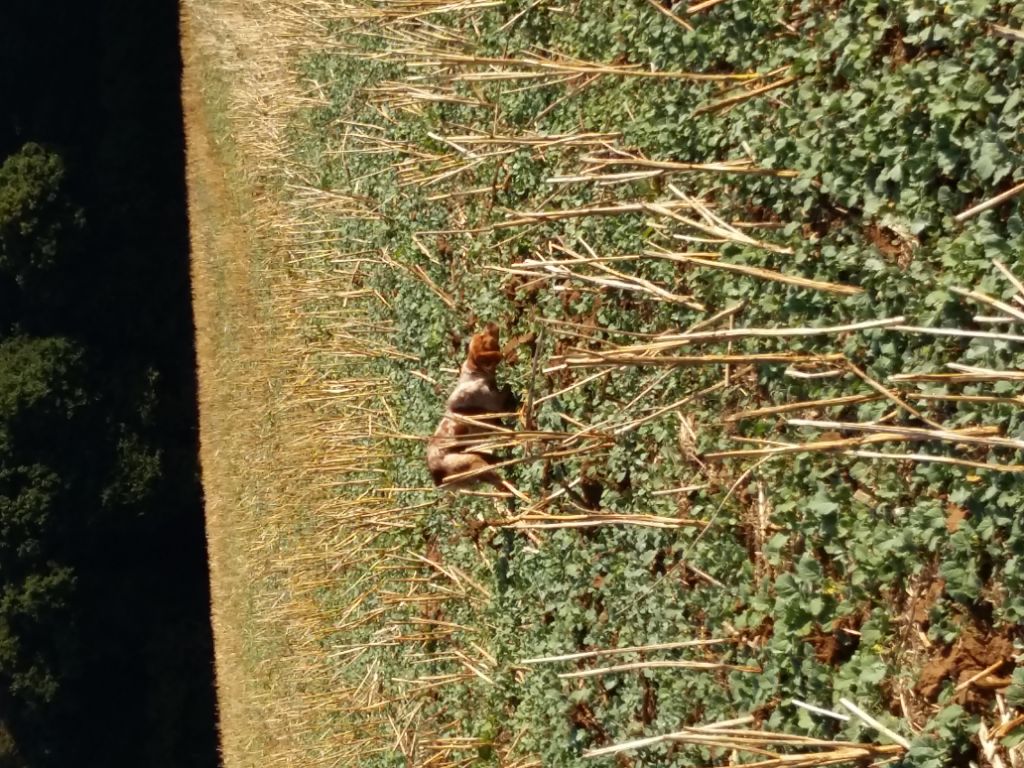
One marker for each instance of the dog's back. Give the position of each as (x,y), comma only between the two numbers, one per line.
(475,396)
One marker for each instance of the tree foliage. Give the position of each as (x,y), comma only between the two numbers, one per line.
(37,222)
(43,403)
(104,635)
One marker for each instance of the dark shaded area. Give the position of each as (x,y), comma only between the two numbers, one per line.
(106,654)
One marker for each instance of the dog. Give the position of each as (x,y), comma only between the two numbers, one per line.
(451,450)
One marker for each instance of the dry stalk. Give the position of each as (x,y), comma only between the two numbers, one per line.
(1008,33)
(800,751)
(879,434)
(982,298)
(596,163)
(957,378)
(990,203)
(559,268)
(930,458)
(521,218)
(800,406)
(546,522)
(628,649)
(969,436)
(668,342)
(710,224)
(709,666)
(957,332)
(702,6)
(538,65)
(758,272)
(1012,278)
(731,101)
(590,359)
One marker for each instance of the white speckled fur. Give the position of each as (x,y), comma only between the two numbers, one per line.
(476,394)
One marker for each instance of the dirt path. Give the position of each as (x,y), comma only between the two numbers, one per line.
(226,318)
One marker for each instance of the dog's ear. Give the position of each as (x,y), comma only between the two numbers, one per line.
(485,349)
(490,334)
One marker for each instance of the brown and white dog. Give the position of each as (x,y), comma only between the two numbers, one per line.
(451,450)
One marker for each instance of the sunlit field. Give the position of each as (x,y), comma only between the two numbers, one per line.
(756,267)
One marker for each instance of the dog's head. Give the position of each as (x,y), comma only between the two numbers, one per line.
(485,350)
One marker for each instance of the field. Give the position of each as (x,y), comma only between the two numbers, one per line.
(758,270)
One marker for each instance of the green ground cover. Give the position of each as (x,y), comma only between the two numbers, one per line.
(592,175)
